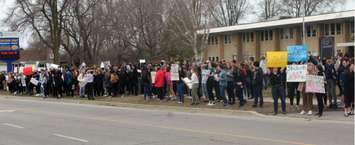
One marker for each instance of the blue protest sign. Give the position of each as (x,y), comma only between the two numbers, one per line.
(297,53)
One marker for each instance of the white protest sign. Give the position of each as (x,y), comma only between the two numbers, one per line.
(174,72)
(315,84)
(296,73)
(34,81)
(152,75)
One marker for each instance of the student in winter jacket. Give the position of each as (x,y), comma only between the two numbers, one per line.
(257,82)
(276,81)
(159,83)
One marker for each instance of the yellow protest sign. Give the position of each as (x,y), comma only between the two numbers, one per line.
(276,58)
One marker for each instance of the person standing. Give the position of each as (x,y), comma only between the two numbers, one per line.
(239,85)
(146,81)
(348,88)
(307,97)
(230,84)
(320,96)
(222,79)
(330,74)
(82,83)
(194,87)
(181,84)
(89,77)
(257,82)
(277,90)
(159,83)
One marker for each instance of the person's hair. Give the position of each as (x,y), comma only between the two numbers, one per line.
(168,69)
(256,64)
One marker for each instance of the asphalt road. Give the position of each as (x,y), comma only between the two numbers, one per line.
(25,122)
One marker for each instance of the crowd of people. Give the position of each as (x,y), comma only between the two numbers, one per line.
(216,82)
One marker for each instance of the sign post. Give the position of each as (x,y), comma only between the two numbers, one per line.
(9,48)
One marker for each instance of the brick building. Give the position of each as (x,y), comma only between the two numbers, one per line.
(255,39)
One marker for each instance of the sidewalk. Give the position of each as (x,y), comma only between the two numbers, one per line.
(138,102)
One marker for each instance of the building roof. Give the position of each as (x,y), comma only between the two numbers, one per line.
(282,22)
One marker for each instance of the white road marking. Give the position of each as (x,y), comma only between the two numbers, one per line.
(7,111)
(69,137)
(13,125)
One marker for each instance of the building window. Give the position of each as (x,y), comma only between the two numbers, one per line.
(216,39)
(243,37)
(326,29)
(270,34)
(351,27)
(311,31)
(266,35)
(262,35)
(332,29)
(338,28)
(247,36)
(227,39)
(251,36)
(286,33)
(217,59)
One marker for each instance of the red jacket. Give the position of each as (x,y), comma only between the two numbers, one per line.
(159,79)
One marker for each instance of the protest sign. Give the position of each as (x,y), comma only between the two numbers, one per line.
(315,84)
(152,76)
(296,73)
(34,81)
(142,61)
(276,58)
(188,82)
(297,53)
(174,71)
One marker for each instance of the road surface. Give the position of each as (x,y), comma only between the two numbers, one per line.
(26,122)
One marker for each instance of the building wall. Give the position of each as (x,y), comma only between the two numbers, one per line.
(257,48)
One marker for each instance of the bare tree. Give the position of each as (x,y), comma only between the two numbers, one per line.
(227,12)
(270,8)
(300,8)
(44,17)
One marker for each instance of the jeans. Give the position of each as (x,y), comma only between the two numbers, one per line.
(258,94)
(147,90)
(82,91)
(222,93)
(278,91)
(194,91)
(204,90)
(181,91)
(331,91)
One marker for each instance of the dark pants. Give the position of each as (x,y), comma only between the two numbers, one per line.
(210,90)
(160,91)
(278,91)
(90,91)
(239,94)
(258,94)
(230,91)
(181,91)
(216,89)
(292,93)
(147,91)
(320,102)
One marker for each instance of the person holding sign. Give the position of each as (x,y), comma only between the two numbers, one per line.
(278,89)
(349,88)
(307,97)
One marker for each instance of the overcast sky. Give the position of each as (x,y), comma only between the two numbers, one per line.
(24,38)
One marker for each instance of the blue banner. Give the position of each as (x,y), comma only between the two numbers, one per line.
(297,53)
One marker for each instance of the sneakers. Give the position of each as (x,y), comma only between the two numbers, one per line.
(309,112)
(302,112)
